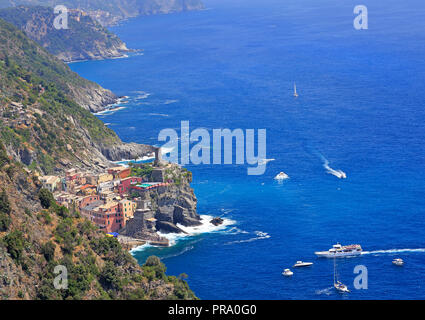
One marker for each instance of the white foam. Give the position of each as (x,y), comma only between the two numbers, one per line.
(260,235)
(389,251)
(141,95)
(337,173)
(158,114)
(170,101)
(108,111)
(265,161)
(326,291)
(205,227)
(140,248)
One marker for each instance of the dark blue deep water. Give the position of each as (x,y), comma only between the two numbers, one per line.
(361,107)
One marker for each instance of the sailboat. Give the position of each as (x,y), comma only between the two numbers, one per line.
(295,90)
(338,285)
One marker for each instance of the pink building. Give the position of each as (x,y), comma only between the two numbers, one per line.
(125,184)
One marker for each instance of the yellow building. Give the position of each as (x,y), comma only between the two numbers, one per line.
(127,207)
(104,177)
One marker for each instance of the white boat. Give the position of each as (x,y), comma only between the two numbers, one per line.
(295,91)
(338,250)
(287,273)
(338,285)
(302,264)
(398,262)
(282,176)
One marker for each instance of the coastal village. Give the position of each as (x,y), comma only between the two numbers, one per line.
(110,199)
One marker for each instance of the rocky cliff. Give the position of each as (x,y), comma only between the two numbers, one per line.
(113,11)
(85,38)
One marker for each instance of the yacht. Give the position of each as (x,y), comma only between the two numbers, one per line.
(295,91)
(338,250)
(338,285)
(398,262)
(287,273)
(282,176)
(302,264)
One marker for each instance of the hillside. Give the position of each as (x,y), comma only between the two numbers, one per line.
(40,123)
(112,11)
(85,38)
(36,235)
(43,130)
(31,57)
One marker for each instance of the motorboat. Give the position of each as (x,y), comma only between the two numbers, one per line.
(302,264)
(287,273)
(398,262)
(282,176)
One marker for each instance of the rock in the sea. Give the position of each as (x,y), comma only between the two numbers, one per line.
(217,221)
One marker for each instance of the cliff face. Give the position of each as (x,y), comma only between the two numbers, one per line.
(36,235)
(37,61)
(171,205)
(85,38)
(113,11)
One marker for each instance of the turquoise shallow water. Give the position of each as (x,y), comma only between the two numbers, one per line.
(361,106)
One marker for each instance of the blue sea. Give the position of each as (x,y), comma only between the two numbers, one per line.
(361,107)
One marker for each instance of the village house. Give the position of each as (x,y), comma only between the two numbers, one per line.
(123,187)
(127,209)
(87,200)
(87,189)
(51,183)
(104,177)
(120,172)
(65,199)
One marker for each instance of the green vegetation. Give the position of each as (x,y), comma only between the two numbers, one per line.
(5,210)
(45,87)
(46,198)
(15,243)
(143,170)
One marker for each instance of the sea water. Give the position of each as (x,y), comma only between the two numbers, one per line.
(360,110)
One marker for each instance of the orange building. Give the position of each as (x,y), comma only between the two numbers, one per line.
(120,172)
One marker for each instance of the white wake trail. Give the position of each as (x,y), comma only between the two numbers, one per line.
(393,251)
(337,173)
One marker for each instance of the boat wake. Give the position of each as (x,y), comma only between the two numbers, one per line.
(265,161)
(259,236)
(337,173)
(326,291)
(185,249)
(236,230)
(205,227)
(390,251)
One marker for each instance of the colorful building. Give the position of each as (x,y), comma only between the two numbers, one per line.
(51,183)
(87,200)
(127,182)
(120,172)
(127,209)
